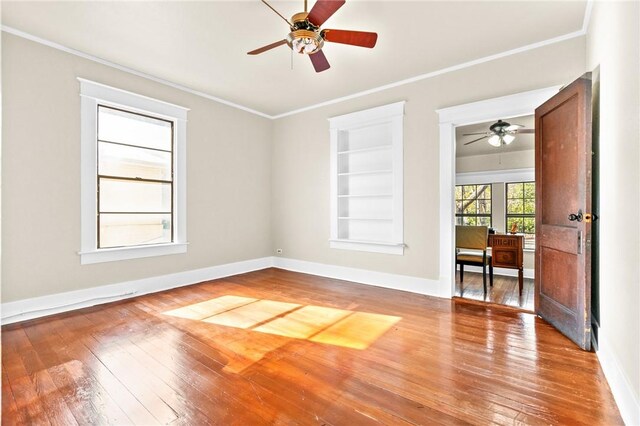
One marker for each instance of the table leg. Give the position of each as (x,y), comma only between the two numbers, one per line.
(520,280)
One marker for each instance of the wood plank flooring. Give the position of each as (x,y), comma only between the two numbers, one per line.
(504,291)
(278,347)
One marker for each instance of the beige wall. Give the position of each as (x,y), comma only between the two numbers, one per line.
(228,177)
(492,162)
(301,157)
(613,42)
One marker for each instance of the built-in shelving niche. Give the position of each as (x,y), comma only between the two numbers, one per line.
(367,180)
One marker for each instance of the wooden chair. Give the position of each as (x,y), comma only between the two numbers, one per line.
(471,249)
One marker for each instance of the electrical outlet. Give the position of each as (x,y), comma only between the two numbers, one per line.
(279,251)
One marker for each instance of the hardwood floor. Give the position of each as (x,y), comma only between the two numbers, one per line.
(278,347)
(504,290)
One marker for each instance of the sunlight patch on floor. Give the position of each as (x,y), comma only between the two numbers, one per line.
(339,327)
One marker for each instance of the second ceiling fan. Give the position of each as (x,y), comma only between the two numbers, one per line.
(500,133)
(307,38)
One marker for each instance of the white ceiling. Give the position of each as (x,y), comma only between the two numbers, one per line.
(522,142)
(203,45)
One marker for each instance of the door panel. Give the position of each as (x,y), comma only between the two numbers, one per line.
(563,187)
(557,284)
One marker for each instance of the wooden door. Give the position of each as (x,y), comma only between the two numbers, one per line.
(563,207)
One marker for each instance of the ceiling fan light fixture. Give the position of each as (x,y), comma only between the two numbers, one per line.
(305,42)
(494,140)
(508,138)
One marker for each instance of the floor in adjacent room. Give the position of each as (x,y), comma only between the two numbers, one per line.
(504,291)
(279,347)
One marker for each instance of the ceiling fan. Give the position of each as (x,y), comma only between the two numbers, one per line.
(500,133)
(307,38)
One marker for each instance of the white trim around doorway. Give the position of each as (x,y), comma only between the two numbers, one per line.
(517,105)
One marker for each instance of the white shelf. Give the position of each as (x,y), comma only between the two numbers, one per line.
(366,196)
(373,148)
(366,180)
(366,218)
(366,172)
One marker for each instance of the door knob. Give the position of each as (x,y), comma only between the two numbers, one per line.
(576,217)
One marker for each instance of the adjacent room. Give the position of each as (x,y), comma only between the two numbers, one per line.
(336,212)
(495,188)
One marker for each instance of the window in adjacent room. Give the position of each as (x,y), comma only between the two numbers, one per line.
(521,210)
(366,180)
(473,205)
(133,189)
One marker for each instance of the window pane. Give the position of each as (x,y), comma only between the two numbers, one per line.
(127,161)
(458,192)
(484,221)
(134,196)
(484,206)
(529,225)
(530,190)
(484,192)
(468,192)
(134,129)
(470,221)
(117,230)
(515,206)
(518,221)
(514,190)
(529,206)
(471,208)
(458,207)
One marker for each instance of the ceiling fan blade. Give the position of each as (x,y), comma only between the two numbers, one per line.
(267,47)
(473,134)
(513,127)
(526,131)
(277,13)
(354,38)
(319,61)
(322,10)
(476,140)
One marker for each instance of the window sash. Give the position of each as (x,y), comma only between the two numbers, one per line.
(475,215)
(100,177)
(521,216)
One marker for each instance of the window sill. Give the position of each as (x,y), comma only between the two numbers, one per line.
(370,246)
(134,252)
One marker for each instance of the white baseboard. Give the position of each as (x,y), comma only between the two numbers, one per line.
(36,307)
(363,276)
(26,309)
(622,391)
(505,272)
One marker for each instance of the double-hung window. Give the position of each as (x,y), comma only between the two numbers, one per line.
(521,211)
(133,177)
(473,205)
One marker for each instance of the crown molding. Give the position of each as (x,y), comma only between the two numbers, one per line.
(581,32)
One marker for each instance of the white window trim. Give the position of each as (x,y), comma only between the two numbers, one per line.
(92,94)
(394,114)
(495,176)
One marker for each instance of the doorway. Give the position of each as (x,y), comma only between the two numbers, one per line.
(495,190)
(518,105)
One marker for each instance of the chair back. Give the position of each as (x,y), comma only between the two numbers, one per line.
(472,237)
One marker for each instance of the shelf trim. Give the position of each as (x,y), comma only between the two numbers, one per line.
(365,218)
(365,195)
(367,172)
(372,148)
